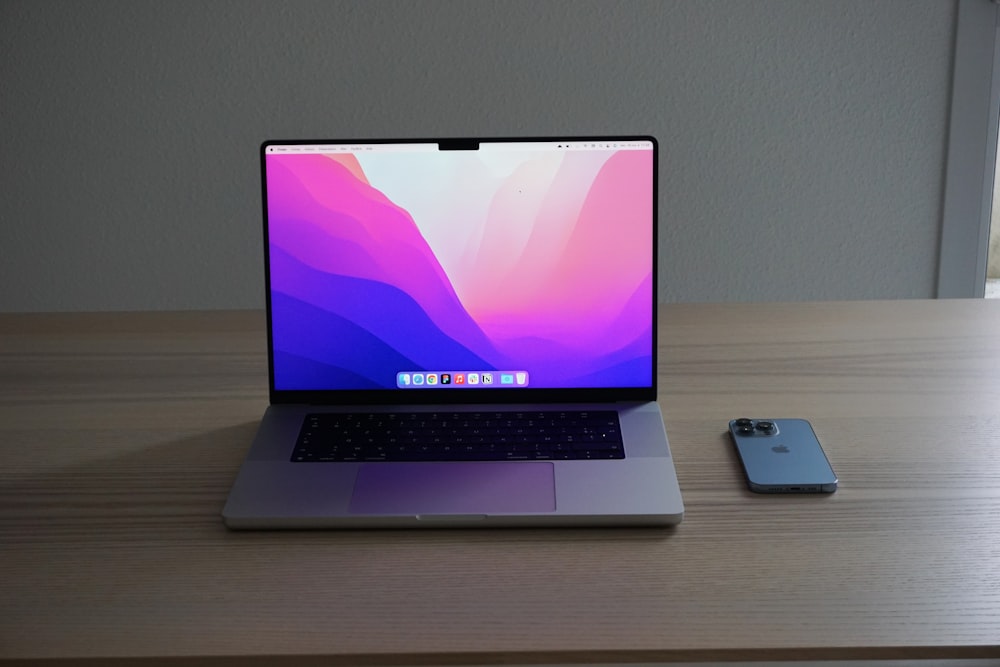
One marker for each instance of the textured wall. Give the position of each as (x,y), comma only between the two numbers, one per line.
(802,141)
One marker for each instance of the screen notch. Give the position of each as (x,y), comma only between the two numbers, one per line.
(458,145)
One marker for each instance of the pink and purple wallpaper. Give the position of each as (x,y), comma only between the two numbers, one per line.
(386,262)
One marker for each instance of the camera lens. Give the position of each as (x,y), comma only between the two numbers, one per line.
(765,426)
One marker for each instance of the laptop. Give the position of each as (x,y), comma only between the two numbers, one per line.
(460,332)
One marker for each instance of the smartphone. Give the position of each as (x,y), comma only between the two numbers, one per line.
(782,456)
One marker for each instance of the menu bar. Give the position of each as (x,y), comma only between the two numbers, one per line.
(486,146)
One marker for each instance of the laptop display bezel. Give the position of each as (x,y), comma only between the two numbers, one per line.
(428,396)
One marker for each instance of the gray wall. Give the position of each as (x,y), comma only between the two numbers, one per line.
(802,141)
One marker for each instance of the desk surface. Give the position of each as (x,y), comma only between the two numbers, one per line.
(121,434)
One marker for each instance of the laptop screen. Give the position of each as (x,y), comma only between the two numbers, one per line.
(461,266)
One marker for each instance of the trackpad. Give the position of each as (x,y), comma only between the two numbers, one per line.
(454,488)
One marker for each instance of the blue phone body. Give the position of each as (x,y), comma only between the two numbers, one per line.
(782,456)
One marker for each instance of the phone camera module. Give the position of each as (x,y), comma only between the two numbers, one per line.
(765,427)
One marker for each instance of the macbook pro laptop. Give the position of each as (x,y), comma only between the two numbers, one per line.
(461,332)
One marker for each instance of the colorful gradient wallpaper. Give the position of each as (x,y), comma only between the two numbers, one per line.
(534,260)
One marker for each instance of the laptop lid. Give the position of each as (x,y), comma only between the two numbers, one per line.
(461,270)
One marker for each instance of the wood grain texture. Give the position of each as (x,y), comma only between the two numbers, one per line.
(121,433)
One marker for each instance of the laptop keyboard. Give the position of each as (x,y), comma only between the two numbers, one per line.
(459,436)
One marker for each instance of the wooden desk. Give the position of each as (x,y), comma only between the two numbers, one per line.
(120,436)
